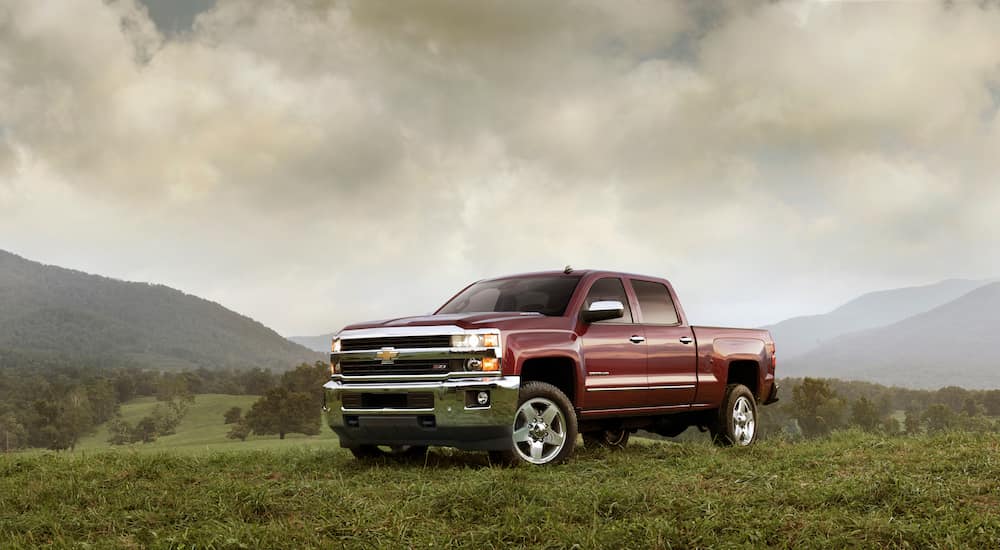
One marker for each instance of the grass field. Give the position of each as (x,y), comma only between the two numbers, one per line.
(849,490)
(201,429)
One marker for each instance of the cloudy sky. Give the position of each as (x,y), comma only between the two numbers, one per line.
(311,163)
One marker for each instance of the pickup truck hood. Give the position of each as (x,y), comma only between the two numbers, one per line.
(464,320)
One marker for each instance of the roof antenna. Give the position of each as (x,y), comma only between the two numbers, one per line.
(568,270)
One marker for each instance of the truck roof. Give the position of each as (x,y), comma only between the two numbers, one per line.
(574,273)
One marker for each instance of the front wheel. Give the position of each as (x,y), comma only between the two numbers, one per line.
(736,421)
(544,429)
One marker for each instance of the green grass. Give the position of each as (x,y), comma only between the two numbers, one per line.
(201,429)
(847,491)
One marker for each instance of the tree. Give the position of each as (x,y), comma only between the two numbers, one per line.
(864,414)
(233,416)
(281,412)
(816,407)
(911,424)
(308,379)
(890,425)
(240,431)
(145,430)
(939,417)
(13,435)
(119,431)
(257,381)
(103,400)
(171,387)
(952,396)
(972,409)
(78,416)
(991,401)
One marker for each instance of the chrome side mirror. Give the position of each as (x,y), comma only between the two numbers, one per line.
(604,310)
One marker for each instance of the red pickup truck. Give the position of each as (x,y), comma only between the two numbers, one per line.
(520,365)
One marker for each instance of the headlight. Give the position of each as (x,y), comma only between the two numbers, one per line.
(490,340)
(335,347)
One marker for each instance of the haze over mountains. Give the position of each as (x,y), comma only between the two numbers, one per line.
(954,344)
(799,335)
(49,313)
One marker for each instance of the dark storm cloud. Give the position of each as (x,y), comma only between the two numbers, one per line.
(294,159)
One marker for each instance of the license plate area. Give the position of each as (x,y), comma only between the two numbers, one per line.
(410,400)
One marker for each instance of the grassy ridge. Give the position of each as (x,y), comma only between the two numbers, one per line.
(850,490)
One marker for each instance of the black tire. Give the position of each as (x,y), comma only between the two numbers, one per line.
(403,452)
(606,439)
(555,438)
(735,423)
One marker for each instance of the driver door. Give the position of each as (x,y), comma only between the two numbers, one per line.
(614,353)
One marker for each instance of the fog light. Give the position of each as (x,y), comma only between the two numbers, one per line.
(483,398)
(474,364)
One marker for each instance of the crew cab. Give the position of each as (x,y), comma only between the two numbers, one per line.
(521,365)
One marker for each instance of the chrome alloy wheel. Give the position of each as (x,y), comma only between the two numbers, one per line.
(744,422)
(539,430)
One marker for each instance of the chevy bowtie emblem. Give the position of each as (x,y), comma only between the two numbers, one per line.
(387,355)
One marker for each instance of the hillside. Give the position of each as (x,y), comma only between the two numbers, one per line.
(319,343)
(953,344)
(876,309)
(48,311)
(848,491)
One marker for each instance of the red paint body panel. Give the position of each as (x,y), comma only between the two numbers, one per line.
(614,376)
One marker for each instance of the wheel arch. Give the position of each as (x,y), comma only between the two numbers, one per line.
(746,371)
(560,370)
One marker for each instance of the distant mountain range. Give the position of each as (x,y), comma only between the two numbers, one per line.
(799,335)
(49,313)
(954,344)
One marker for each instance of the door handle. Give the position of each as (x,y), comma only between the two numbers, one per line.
(686,340)
(637,339)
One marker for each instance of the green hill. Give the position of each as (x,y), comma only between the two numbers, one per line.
(848,491)
(202,429)
(53,315)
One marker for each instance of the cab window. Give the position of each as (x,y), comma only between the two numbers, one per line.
(655,304)
(609,288)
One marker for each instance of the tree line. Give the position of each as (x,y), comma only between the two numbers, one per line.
(53,407)
(813,407)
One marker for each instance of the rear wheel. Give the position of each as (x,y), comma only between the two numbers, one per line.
(544,429)
(611,439)
(736,421)
(400,452)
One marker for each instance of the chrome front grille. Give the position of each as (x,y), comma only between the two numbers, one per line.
(398,342)
(411,354)
(401,367)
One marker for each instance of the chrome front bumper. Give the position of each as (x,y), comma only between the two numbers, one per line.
(454,419)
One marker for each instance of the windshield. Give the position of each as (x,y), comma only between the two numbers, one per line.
(545,295)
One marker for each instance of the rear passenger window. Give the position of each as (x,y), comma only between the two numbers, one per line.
(610,288)
(655,304)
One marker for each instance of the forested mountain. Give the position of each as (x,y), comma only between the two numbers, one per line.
(952,345)
(876,309)
(50,315)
